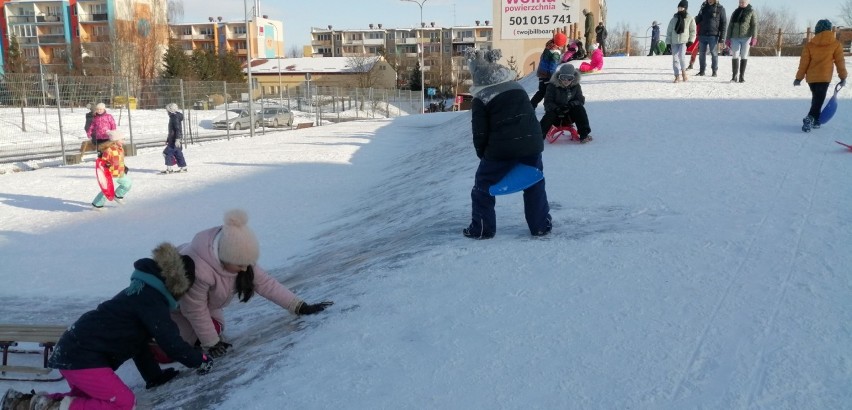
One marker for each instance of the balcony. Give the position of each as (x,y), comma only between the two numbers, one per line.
(321,43)
(52,39)
(374,42)
(93,18)
(103,38)
(20,19)
(48,19)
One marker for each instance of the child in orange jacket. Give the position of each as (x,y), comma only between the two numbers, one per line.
(112,152)
(816,62)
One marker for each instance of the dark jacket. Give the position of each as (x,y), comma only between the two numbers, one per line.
(504,123)
(558,99)
(548,61)
(175,128)
(120,328)
(89,116)
(600,34)
(655,34)
(712,20)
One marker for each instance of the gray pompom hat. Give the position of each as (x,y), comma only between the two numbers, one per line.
(484,69)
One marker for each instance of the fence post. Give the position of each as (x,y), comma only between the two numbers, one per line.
(132,151)
(628,44)
(59,112)
(227,128)
(778,44)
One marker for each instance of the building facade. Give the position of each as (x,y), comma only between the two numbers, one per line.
(266,37)
(444,68)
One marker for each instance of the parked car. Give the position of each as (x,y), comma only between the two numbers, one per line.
(238,119)
(276,117)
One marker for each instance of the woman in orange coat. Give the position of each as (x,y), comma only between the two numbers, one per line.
(819,57)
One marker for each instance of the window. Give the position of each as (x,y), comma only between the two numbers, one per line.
(187,31)
(240,30)
(97,8)
(101,30)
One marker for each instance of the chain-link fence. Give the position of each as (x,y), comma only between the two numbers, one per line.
(43,117)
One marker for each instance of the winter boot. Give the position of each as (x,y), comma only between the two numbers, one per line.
(807,123)
(714,73)
(15,400)
(41,401)
(816,124)
(742,70)
(683,75)
(735,67)
(689,67)
(470,233)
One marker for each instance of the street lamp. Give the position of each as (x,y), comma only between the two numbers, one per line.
(248,67)
(420,49)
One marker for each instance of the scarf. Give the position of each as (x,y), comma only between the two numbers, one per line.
(739,15)
(139,279)
(680,25)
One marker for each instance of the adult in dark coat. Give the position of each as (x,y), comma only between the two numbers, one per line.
(600,37)
(564,98)
(505,133)
(120,329)
(712,23)
(174,150)
(589,31)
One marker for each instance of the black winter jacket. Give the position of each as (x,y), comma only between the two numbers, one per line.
(558,99)
(120,329)
(504,123)
(175,128)
(712,21)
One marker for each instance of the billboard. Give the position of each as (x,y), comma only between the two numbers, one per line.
(532,19)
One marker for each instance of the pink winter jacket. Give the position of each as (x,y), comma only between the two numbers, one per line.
(214,288)
(100,125)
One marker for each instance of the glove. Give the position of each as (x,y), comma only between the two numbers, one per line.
(842,83)
(206,365)
(753,41)
(166,376)
(575,103)
(308,309)
(688,44)
(218,350)
(100,154)
(797,83)
(728,42)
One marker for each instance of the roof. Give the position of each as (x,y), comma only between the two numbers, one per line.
(307,65)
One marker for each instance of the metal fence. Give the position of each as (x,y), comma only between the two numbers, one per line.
(43,117)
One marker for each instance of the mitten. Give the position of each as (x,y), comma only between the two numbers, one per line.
(100,154)
(218,350)
(166,376)
(753,41)
(688,44)
(206,365)
(728,42)
(308,309)
(797,82)
(842,83)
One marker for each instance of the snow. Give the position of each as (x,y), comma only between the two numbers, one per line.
(699,257)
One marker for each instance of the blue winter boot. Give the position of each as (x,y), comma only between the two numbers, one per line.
(807,123)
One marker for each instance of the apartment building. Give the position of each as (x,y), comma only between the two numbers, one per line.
(266,39)
(56,36)
(443,62)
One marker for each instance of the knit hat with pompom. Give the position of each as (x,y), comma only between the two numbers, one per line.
(237,243)
(484,69)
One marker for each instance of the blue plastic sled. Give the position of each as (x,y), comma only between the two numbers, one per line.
(830,108)
(518,179)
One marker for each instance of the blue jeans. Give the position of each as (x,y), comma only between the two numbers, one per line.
(740,46)
(536,208)
(704,42)
(678,58)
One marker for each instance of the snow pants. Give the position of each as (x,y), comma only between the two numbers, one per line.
(483,216)
(96,389)
(174,156)
(539,95)
(577,115)
(123,184)
(818,93)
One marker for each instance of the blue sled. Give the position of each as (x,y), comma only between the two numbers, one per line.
(830,108)
(518,179)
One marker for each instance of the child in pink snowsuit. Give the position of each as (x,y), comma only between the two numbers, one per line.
(596,63)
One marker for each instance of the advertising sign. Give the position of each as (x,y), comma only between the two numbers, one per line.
(529,19)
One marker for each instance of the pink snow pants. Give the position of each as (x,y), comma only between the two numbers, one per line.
(97,389)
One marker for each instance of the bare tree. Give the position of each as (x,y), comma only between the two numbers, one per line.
(175,11)
(362,66)
(770,20)
(616,41)
(294,52)
(846,12)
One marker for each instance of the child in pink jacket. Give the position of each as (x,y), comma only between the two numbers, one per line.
(102,124)
(226,266)
(596,63)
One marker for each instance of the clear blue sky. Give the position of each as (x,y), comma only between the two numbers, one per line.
(300,16)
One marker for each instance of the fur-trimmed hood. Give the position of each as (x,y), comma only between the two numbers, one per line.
(175,271)
(565,68)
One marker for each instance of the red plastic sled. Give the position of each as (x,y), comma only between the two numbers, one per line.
(555,132)
(104,179)
(845,145)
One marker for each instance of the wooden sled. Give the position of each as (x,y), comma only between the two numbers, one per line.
(45,336)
